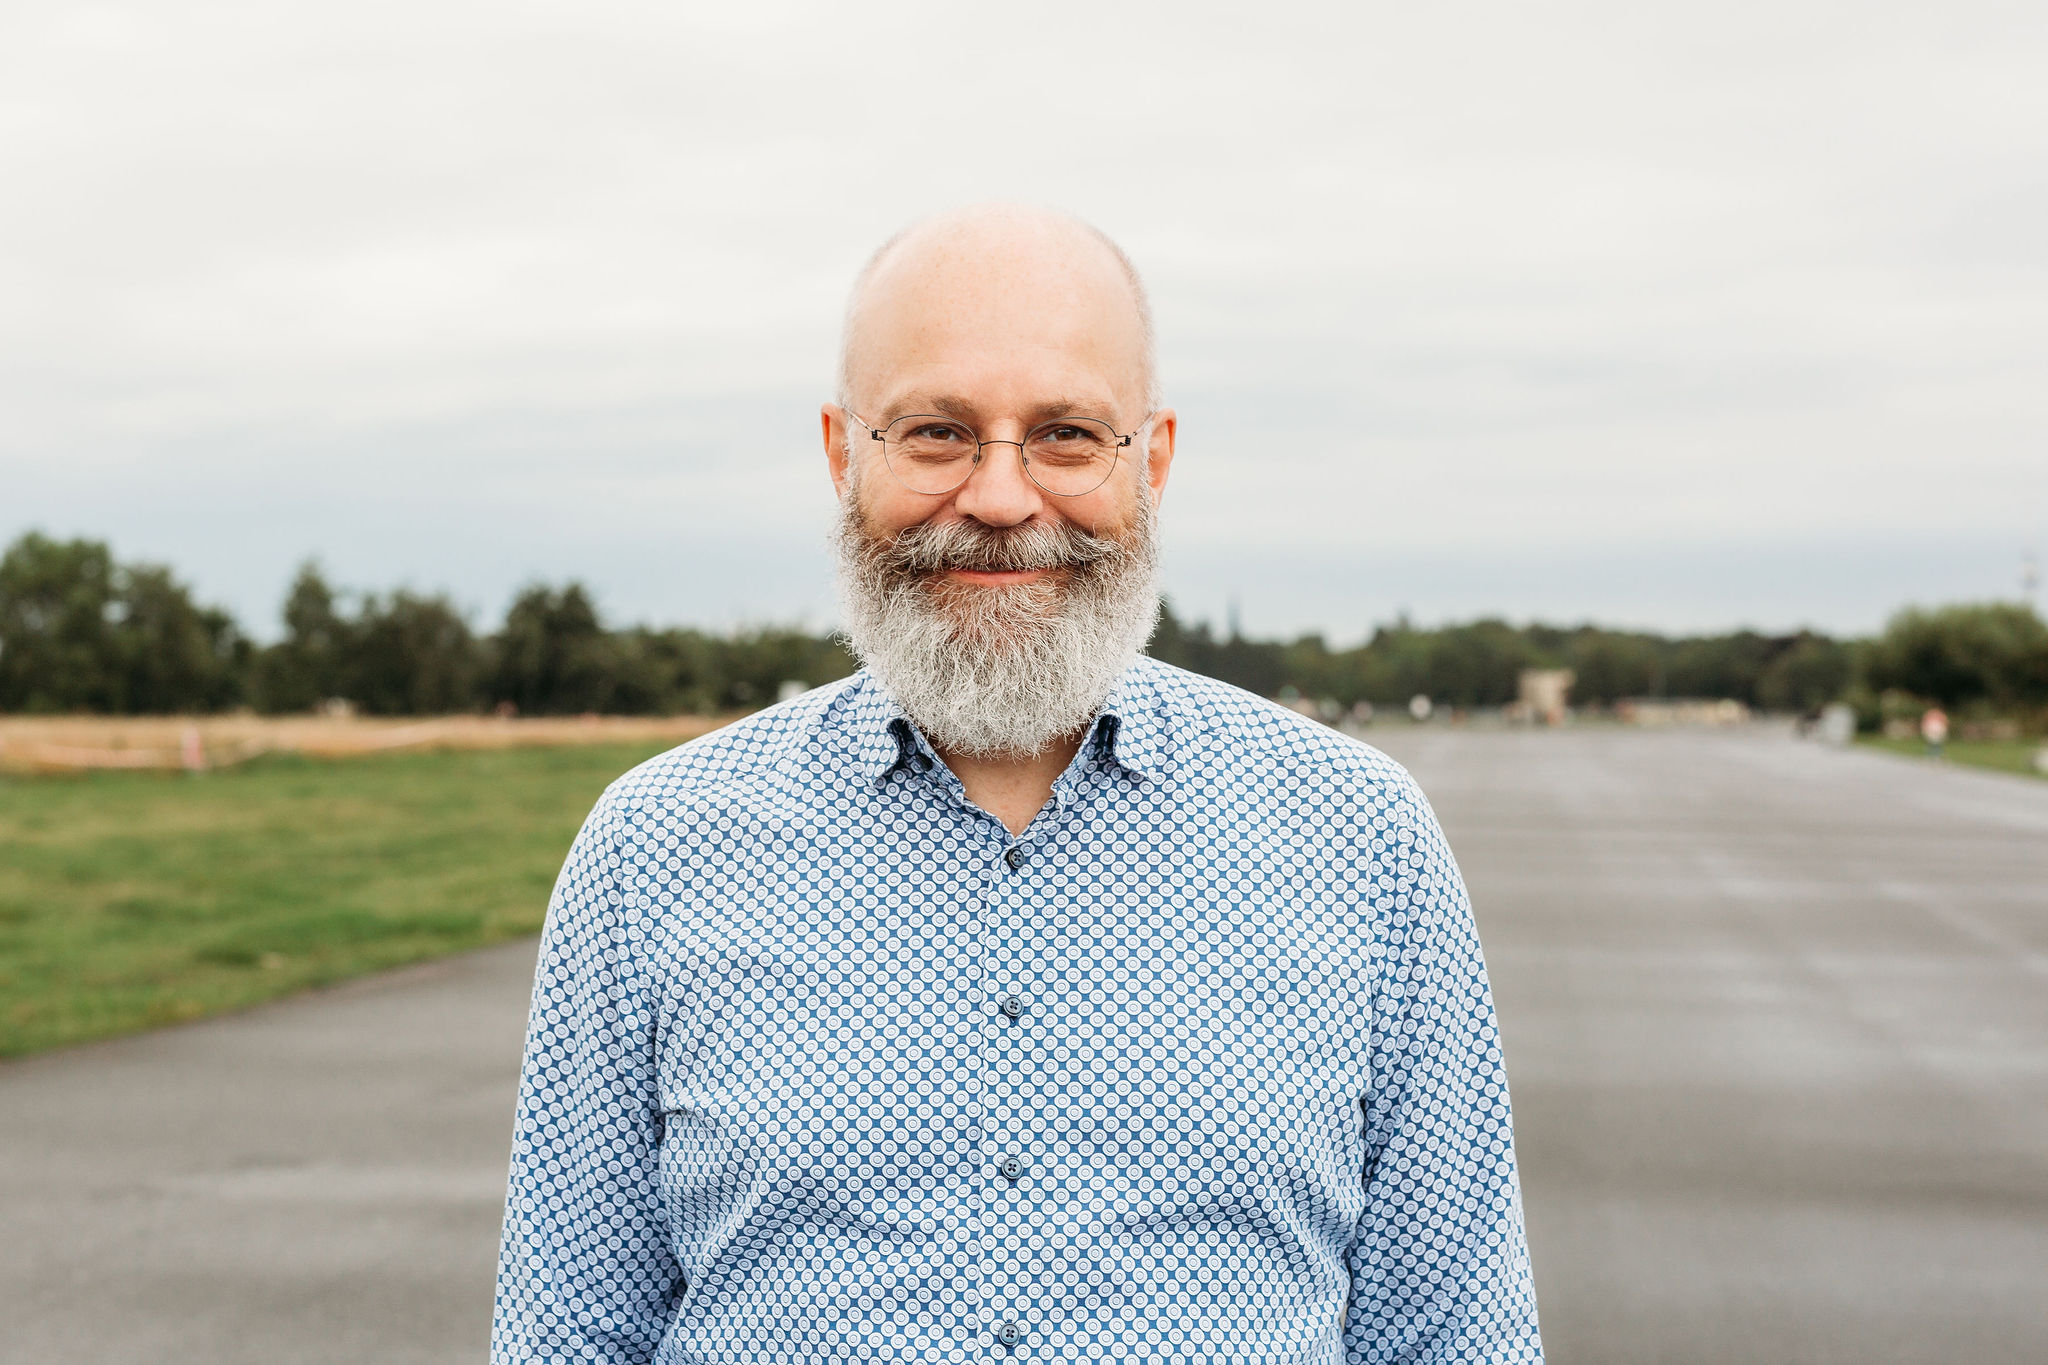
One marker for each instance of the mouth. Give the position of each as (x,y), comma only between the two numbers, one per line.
(995,578)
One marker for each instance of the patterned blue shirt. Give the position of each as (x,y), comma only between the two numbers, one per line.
(825,1064)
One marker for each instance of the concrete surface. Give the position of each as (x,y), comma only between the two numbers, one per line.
(313,1181)
(1776,1021)
(1776,1026)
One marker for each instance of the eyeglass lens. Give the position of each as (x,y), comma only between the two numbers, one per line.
(1066,458)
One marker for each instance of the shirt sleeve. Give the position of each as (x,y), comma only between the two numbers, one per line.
(1439,1262)
(585,1269)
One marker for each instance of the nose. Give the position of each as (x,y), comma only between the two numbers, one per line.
(999,492)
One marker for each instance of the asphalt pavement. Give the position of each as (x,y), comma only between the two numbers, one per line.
(1775,1020)
(1777,1038)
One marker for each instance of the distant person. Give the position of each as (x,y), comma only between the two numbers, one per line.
(1019,997)
(1934,729)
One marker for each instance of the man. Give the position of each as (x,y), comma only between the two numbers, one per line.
(1018,998)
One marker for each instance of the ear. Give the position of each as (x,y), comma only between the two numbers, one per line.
(1159,453)
(832,418)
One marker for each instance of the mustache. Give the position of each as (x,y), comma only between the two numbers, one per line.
(998,670)
(936,548)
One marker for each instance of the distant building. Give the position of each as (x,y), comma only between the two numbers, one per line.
(1544,694)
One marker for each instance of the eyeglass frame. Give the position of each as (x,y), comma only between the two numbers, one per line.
(1123,443)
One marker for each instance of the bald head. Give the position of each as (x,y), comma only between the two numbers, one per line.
(991,283)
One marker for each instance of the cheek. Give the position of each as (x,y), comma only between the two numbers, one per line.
(880,509)
(1110,511)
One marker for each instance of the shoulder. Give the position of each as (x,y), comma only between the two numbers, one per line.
(746,756)
(1221,732)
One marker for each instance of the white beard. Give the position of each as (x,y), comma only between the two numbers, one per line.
(1003,671)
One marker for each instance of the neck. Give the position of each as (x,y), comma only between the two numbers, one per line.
(1013,790)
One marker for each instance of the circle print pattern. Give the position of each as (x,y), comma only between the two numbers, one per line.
(826,1065)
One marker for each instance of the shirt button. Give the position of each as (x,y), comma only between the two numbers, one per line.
(1011,1167)
(1015,858)
(1010,1333)
(1012,1006)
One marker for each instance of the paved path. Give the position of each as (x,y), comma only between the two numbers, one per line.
(1776,1021)
(314,1181)
(1776,1018)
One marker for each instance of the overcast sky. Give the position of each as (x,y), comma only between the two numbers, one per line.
(1687,318)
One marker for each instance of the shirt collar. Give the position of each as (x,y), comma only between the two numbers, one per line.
(1129,731)
(880,736)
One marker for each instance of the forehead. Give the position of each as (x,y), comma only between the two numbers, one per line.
(997,322)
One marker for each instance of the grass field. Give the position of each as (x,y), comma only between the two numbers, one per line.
(2004,755)
(129,900)
(134,899)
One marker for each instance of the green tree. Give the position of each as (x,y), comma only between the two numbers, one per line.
(553,656)
(1994,653)
(411,655)
(79,632)
(1610,665)
(1395,663)
(756,663)
(1720,665)
(170,653)
(1255,665)
(1478,664)
(57,650)
(1809,672)
(309,665)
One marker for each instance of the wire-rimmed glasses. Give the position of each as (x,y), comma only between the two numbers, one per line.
(931,454)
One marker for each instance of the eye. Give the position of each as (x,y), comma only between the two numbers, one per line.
(936,433)
(1074,435)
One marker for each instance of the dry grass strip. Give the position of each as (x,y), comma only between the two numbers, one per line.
(169,743)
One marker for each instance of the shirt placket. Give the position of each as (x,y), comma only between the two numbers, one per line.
(981,1285)
(1022,1006)
(1006,1016)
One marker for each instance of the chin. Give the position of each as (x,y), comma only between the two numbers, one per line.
(996,611)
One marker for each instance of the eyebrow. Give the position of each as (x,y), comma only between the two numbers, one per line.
(966,410)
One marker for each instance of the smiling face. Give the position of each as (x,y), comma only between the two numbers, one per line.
(999,614)
(1002,318)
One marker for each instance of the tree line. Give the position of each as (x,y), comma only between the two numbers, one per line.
(80,631)
(1976,658)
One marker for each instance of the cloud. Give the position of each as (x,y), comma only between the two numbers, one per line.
(466,293)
